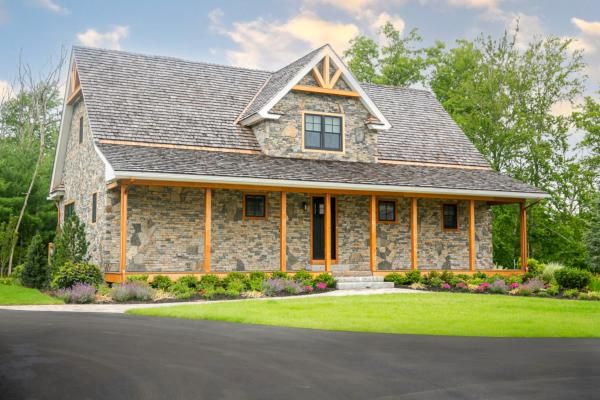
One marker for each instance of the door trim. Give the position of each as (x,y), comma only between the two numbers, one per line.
(337,208)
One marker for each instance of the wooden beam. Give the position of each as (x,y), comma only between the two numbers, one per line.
(472,254)
(413,233)
(207,227)
(74,95)
(283,232)
(523,236)
(327,232)
(334,92)
(123,255)
(318,77)
(373,234)
(326,76)
(335,78)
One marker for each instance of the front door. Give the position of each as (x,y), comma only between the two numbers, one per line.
(318,228)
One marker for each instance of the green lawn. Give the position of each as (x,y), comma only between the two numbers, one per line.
(428,314)
(14,294)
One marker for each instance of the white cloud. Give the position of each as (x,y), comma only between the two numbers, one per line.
(587,27)
(580,43)
(6,91)
(214,17)
(111,39)
(474,3)
(270,45)
(351,6)
(530,28)
(51,5)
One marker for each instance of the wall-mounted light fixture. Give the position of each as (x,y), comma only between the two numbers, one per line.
(305,206)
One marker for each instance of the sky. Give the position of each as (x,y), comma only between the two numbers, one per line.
(271,34)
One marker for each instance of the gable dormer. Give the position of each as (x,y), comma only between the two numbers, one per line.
(314,108)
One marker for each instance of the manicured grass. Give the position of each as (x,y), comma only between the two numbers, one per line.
(428,314)
(14,294)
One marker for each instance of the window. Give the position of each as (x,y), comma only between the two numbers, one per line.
(450,216)
(81,130)
(386,211)
(94,205)
(254,206)
(69,210)
(322,132)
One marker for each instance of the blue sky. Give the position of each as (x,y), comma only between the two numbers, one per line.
(269,34)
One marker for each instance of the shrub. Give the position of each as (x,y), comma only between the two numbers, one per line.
(429,276)
(573,278)
(69,274)
(518,279)
(162,295)
(257,276)
(479,275)
(483,287)
(7,281)
(395,277)
(595,284)
(190,281)
(237,277)
(570,293)
(445,286)
(132,291)
(256,280)
(321,286)
(498,286)
(279,275)
(589,296)
(71,244)
(534,267)
(435,282)
(36,272)
(552,290)
(550,270)
(461,286)
(161,282)
(514,285)
(138,278)
(182,291)
(235,288)
(273,287)
(325,278)
(304,277)
(309,289)
(80,293)
(447,276)
(412,277)
(210,281)
(533,285)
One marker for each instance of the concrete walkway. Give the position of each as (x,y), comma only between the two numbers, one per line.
(121,308)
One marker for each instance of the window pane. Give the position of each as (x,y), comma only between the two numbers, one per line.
(450,216)
(332,124)
(387,211)
(312,139)
(94,206)
(332,141)
(255,206)
(313,123)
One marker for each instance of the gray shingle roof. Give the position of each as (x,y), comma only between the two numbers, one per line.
(167,100)
(213,163)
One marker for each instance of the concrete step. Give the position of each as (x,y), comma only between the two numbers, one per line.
(364,285)
(370,278)
(351,273)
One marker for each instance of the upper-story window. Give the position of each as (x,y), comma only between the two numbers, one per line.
(323,132)
(81,130)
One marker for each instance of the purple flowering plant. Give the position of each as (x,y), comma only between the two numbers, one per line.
(79,293)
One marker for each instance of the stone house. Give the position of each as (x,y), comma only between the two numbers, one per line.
(181,167)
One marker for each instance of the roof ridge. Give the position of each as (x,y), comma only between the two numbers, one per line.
(134,53)
(396,87)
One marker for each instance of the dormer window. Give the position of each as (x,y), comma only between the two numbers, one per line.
(323,132)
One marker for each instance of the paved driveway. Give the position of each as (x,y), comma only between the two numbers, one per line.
(109,356)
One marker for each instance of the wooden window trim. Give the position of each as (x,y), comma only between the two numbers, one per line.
(342,133)
(457,218)
(65,205)
(265,196)
(94,213)
(395,202)
(80,130)
(334,260)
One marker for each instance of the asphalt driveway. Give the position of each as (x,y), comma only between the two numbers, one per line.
(108,356)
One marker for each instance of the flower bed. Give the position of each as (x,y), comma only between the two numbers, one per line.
(235,285)
(566,283)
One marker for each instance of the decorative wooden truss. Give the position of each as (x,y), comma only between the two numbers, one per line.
(74,86)
(326,81)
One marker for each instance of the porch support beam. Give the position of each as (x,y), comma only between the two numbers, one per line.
(123,233)
(283,232)
(207,227)
(373,233)
(523,235)
(472,235)
(327,232)
(413,233)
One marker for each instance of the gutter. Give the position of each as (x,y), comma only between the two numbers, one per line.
(297,184)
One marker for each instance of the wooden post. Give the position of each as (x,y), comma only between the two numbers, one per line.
(523,235)
(373,233)
(472,254)
(123,255)
(207,227)
(327,232)
(283,232)
(413,233)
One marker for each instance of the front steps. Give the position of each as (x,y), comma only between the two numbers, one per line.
(361,281)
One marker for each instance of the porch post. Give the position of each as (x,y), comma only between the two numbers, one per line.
(472,235)
(373,233)
(207,227)
(413,233)
(123,255)
(327,232)
(523,234)
(283,232)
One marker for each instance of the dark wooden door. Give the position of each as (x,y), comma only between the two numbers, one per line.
(318,228)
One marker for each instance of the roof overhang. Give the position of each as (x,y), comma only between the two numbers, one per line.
(314,185)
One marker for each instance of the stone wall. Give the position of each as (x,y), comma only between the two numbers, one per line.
(353,232)
(393,238)
(83,175)
(283,137)
(298,231)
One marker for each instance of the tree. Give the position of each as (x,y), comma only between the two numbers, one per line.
(26,124)
(7,237)
(36,272)
(592,238)
(588,120)
(71,244)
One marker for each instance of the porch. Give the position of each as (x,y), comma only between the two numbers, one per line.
(182,228)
